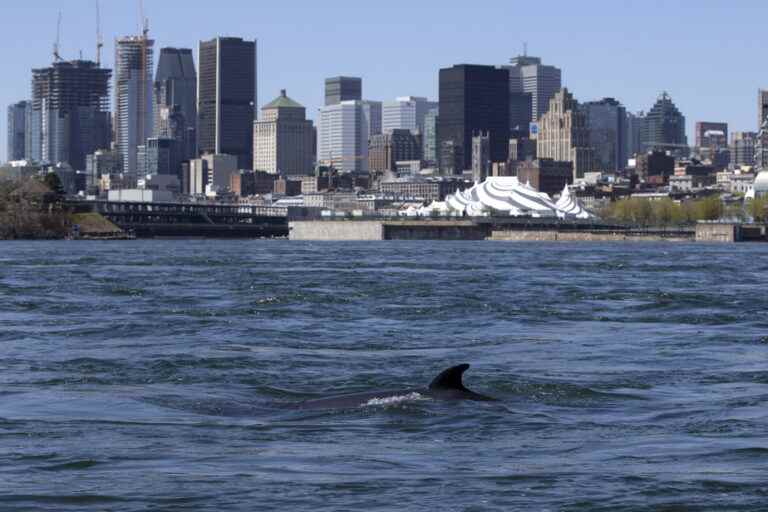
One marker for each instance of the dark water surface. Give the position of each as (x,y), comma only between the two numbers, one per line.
(154,375)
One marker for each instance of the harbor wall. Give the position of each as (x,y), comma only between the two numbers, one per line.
(580,236)
(336,231)
(718,232)
(373,230)
(435,230)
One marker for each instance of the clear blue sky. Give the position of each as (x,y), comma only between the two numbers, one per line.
(709,54)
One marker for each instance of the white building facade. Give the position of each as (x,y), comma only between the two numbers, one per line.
(133,116)
(342,138)
(406,113)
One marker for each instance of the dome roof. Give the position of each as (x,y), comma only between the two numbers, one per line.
(761,182)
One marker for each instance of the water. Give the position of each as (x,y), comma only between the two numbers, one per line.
(155,375)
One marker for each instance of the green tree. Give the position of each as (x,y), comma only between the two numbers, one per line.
(663,212)
(710,208)
(758,209)
(53,182)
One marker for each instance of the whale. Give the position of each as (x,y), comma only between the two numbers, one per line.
(448,386)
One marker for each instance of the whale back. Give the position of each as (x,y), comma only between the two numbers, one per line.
(450,385)
(450,379)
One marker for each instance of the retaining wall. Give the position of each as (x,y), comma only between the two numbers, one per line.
(336,231)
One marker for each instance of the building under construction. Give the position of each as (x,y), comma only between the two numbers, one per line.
(134,120)
(70,112)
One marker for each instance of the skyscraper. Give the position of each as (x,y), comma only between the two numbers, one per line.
(520,111)
(134,121)
(227,98)
(17,130)
(527,75)
(564,135)
(406,113)
(762,107)
(175,96)
(284,138)
(163,156)
(70,112)
(664,127)
(481,157)
(634,127)
(743,148)
(372,114)
(473,99)
(606,121)
(342,137)
(430,137)
(343,88)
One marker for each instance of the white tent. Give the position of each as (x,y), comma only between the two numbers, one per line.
(507,196)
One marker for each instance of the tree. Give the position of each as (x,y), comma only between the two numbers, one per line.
(710,208)
(758,209)
(53,182)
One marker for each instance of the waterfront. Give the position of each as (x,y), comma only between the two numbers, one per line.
(154,375)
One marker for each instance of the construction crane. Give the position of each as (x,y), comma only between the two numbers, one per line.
(99,36)
(143,21)
(57,43)
(144,27)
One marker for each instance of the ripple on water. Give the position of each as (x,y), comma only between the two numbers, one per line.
(158,375)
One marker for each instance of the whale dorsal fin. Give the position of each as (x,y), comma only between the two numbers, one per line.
(451,378)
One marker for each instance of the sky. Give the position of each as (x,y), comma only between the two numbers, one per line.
(708,54)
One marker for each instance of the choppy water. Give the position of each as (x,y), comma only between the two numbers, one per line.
(154,375)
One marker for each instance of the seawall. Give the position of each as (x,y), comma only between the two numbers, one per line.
(485,229)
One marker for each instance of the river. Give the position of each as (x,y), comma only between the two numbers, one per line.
(161,375)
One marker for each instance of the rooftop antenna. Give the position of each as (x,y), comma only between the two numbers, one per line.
(99,36)
(57,44)
(525,48)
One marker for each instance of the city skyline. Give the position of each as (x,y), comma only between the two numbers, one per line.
(634,68)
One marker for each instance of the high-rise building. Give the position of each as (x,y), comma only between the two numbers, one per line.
(743,148)
(70,112)
(481,157)
(664,127)
(633,128)
(520,111)
(101,162)
(563,134)
(343,88)
(372,113)
(761,147)
(762,107)
(606,121)
(226,98)
(342,136)
(284,139)
(430,151)
(163,156)
(134,120)
(527,75)
(17,130)
(521,146)
(175,97)
(711,135)
(406,113)
(392,146)
(473,99)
